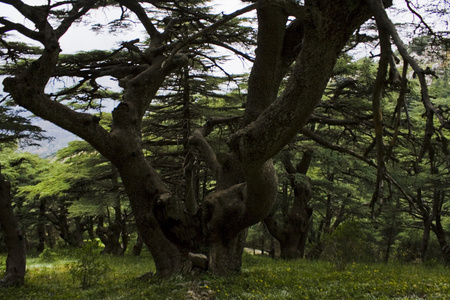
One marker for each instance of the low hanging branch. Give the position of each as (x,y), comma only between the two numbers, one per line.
(385,57)
(321,141)
(384,23)
(398,109)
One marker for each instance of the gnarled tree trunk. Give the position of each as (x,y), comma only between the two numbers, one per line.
(225,256)
(15,243)
(242,197)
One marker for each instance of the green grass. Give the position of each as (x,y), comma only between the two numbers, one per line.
(261,278)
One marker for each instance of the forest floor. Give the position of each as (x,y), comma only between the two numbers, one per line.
(261,278)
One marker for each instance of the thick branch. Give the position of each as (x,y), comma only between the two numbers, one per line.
(384,22)
(386,54)
(142,15)
(27,90)
(36,14)
(207,152)
(79,9)
(19,28)
(263,83)
(279,123)
(303,166)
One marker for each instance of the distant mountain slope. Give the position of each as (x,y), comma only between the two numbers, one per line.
(49,148)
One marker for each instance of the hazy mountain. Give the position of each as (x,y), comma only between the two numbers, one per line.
(60,140)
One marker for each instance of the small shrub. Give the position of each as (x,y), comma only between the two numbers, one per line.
(88,269)
(408,248)
(47,256)
(350,242)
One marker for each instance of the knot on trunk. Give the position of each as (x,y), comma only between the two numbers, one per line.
(124,116)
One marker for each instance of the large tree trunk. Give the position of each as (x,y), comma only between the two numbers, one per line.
(225,256)
(425,237)
(51,238)
(442,239)
(61,223)
(316,50)
(15,243)
(269,123)
(138,179)
(110,237)
(78,232)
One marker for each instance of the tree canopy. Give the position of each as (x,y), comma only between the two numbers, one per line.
(303,87)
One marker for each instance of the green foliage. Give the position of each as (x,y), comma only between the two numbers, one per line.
(14,127)
(2,266)
(349,243)
(88,269)
(47,256)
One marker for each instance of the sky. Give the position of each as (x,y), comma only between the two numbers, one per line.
(80,38)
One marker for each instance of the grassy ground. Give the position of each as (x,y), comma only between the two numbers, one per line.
(261,278)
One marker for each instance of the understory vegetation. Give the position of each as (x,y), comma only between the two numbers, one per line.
(50,277)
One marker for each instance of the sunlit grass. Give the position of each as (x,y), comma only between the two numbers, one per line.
(320,280)
(261,278)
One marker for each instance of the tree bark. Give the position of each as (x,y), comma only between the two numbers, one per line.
(137,248)
(78,232)
(110,235)
(15,243)
(442,239)
(438,229)
(41,226)
(225,256)
(292,231)
(143,192)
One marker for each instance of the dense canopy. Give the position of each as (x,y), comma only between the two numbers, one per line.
(198,148)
